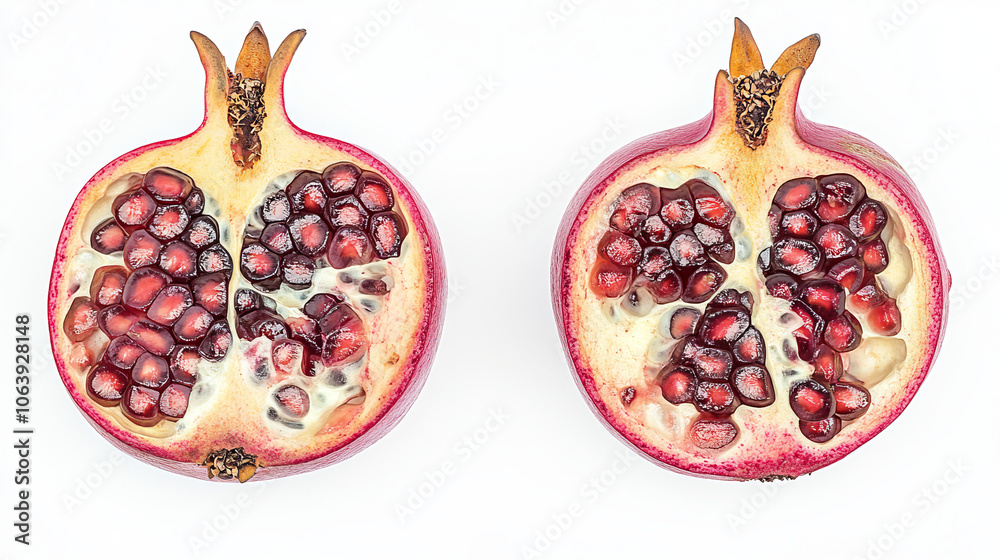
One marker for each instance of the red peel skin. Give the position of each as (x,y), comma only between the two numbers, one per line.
(830,142)
(413,373)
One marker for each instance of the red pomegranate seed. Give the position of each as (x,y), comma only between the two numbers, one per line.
(170,304)
(633,206)
(184,365)
(828,365)
(870,295)
(107,285)
(666,289)
(726,298)
(715,397)
(142,287)
(713,434)
(797,194)
(350,246)
(703,282)
(217,342)
(620,248)
(201,232)
(246,300)
(80,357)
(345,336)
(81,319)
(179,260)
(849,273)
(275,207)
(797,256)
(875,256)
(782,286)
(686,251)
(373,287)
(215,258)
(852,400)
(374,194)
(133,209)
(174,401)
(319,305)
(152,337)
(263,322)
(724,252)
(723,326)
(684,321)
(749,348)
(885,319)
(306,193)
(821,431)
(258,264)
(293,400)
(141,249)
(655,262)
(774,216)
(868,220)
(712,363)
(116,320)
(709,205)
(709,236)
(108,237)
(607,279)
(811,400)
(297,271)
(286,355)
(167,184)
(836,242)
(168,222)
(211,292)
(106,385)
(801,223)
(838,195)
(140,405)
(387,231)
(654,230)
(824,296)
(685,350)
(122,352)
(341,177)
(843,333)
(809,334)
(677,207)
(346,211)
(193,325)
(309,233)
(195,202)
(276,238)
(753,385)
(677,385)
(765,261)
(150,371)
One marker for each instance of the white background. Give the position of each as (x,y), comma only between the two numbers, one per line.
(920,79)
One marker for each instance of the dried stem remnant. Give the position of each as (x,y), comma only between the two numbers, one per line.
(246,117)
(231,463)
(755,96)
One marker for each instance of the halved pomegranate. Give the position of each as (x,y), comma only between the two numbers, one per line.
(226,327)
(753,295)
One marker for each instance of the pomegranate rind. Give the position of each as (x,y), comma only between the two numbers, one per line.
(403,337)
(770,445)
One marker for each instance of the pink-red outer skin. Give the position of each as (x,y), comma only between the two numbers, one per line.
(834,142)
(413,374)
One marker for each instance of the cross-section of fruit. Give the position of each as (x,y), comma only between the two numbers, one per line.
(752,296)
(251,300)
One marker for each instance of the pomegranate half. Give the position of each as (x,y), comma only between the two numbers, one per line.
(753,295)
(250,300)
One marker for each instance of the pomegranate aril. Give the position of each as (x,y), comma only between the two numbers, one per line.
(108,237)
(201,232)
(245,300)
(350,247)
(821,431)
(215,258)
(703,282)
(122,352)
(620,248)
(686,251)
(193,325)
(345,337)
(796,256)
(811,400)
(724,252)
(885,319)
(843,333)
(633,206)
(824,296)
(309,233)
(140,405)
(774,220)
(174,401)
(870,295)
(320,304)
(676,207)
(286,355)
(262,322)
(765,261)
(713,433)
(655,262)
(81,319)
(712,363)
(276,238)
(373,287)
(709,236)
(116,320)
(797,194)
(217,342)
(170,304)
(306,193)
(709,205)
(346,211)
(105,385)
(852,400)
(297,271)
(666,289)
(184,365)
(801,223)
(685,350)
(849,273)
(152,337)
(133,209)
(753,385)
(275,207)
(714,397)
(607,279)
(782,286)
(723,326)
(810,334)
(867,220)
(726,298)
(211,292)
(875,256)
(150,371)
(260,266)
(374,194)
(167,184)
(168,222)
(677,384)
(749,348)
(654,230)
(141,249)
(178,260)
(387,232)
(683,322)
(293,400)
(836,242)
(107,285)
(838,195)
(195,202)
(142,287)
(828,365)
(341,177)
